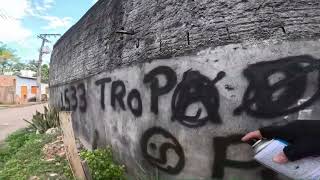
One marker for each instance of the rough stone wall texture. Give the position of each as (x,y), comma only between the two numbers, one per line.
(161,27)
(174,84)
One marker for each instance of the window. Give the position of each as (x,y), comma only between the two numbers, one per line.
(34,89)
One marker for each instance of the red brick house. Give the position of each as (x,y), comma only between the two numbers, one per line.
(8,90)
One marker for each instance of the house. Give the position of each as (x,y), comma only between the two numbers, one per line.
(7,89)
(20,89)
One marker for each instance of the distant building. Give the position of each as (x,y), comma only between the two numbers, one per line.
(7,89)
(28,73)
(20,89)
(10,73)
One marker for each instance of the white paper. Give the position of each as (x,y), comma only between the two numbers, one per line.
(305,169)
(305,114)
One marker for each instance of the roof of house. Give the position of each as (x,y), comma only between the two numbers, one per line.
(34,78)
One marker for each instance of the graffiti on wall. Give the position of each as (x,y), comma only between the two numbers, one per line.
(220,146)
(74,98)
(134,96)
(267,99)
(162,149)
(193,88)
(274,89)
(156,91)
(102,84)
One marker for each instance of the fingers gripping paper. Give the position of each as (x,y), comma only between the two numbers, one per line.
(305,169)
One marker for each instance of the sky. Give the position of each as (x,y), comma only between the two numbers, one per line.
(22,20)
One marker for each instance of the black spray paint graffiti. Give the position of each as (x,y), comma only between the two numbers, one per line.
(118,91)
(82,97)
(102,84)
(220,146)
(268,100)
(161,160)
(75,100)
(156,90)
(66,99)
(134,97)
(194,88)
(262,98)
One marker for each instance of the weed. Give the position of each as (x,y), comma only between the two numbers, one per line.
(22,157)
(101,164)
(43,122)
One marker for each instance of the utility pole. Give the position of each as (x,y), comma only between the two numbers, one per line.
(44,40)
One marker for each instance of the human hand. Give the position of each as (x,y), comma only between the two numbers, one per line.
(251,136)
(281,158)
(302,136)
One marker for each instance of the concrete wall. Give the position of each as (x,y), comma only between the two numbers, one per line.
(187,79)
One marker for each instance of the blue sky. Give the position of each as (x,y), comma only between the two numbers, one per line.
(22,20)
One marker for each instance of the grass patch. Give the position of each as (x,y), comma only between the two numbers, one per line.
(21,157)
(102,166)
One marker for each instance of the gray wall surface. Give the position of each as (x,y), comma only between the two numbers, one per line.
(174,85)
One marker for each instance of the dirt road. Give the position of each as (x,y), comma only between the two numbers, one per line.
(11,119)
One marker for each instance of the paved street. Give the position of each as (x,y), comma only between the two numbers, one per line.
(11,119)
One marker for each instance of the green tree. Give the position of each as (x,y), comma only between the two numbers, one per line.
(17,67)
(5,53)
(45,73)
(7,58)
(32,65)
(9,62)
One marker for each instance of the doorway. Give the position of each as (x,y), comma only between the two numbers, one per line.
(24,93)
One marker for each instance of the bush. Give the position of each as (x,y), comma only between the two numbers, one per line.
(101,164)
(13,143)
(22,157)
(18,139)
(43,122)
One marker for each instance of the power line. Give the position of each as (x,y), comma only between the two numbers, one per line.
(4,15)
(44,38)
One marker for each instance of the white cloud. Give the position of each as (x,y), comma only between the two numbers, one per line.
(56,22)
(14,9)
(12,30)
(48,3)
(39,10)
(23,40)
(41,7)
(10,19)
